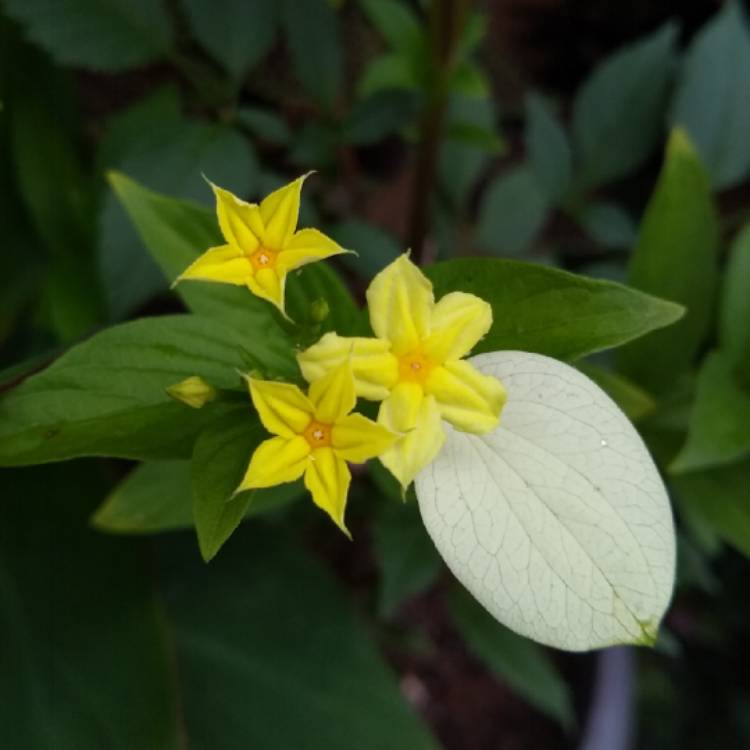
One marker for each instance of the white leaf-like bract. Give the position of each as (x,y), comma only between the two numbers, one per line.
(558,521)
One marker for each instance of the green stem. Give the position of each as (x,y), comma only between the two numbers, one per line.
(445,24)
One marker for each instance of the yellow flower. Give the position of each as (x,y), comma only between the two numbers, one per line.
(262,243)
(315,436)
(415,365)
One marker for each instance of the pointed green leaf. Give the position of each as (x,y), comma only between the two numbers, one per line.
(734,313)
(220,459)
(512,213)
(237,33)
(155,496)
(718,498)
(719,430)
(618,112)
(112,36)
(548,149)
(711,102)
(675,258)
(107,396)
(540,309)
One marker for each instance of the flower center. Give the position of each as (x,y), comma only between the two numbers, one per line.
(414,367)
(263,258)
(317,434)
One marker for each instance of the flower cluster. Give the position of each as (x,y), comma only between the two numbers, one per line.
(414,365)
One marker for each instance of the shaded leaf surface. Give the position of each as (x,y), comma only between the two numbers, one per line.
(276,640)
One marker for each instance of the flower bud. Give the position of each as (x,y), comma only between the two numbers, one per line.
(193,391)
(319,310)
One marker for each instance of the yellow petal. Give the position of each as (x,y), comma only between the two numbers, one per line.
(268,284)
(332,396)
(420,444)
(469,400)
(225,264)
(328,478)
(374,368)
(307,246)
(282,407)
(357,439)
(280,212)
(400,301)
(276,461)
(240,222)
(458,322)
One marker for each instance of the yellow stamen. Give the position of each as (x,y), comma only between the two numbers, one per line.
(263,258)
(317,434)
(414,367)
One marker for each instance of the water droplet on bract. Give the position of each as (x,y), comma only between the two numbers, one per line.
(605,443)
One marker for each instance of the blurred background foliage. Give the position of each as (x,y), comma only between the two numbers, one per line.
(533,129)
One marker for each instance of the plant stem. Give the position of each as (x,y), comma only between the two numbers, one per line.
(445,23)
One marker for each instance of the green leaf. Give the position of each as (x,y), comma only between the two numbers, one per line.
(389,71)
(315,282)
(512,213)
(675,258)
(719,431)
(375,248)
(379,115)
(314,39)
(154,144)
(112,36)
(237,33)
(479,137)
(548,149)
(220,459)
(176,232)
(634,401)
(718,498)
(541,309)
(86,657)
(618,112)
(265,124)
(462,162)
(271,631)
(711,102)
(107,395)
(397,23)
(734,313)
(155,496)
(408,561)
(469,80)
(523,665)
(609,225)
(57,193)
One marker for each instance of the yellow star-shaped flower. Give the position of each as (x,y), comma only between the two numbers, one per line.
(263,243)
(315,435)
(415,365)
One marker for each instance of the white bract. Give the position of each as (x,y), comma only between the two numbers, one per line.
(558,521)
